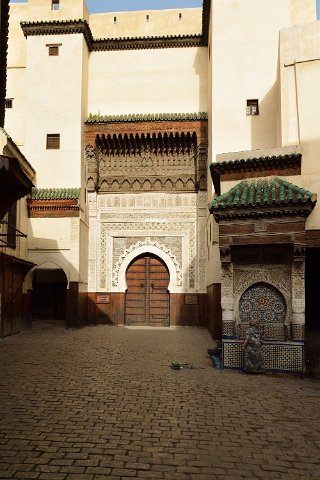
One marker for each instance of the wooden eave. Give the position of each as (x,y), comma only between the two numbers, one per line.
(118,144)
(6,260)
(299,209)
(66,207)
(14,183)
(284,165)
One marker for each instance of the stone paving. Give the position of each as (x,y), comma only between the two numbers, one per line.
(102,403)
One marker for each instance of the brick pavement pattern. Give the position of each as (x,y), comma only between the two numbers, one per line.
(102,403)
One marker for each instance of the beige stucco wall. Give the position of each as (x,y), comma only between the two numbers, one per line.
(148,81)
(69,10)
(55,106)
(135,24)
(16,89)
(243,64)
(300,100)
(57,240)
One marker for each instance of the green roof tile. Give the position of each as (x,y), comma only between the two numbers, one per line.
(267,192)
(55,193)
(147,117)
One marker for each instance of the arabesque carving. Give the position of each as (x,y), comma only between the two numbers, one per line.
(91,163)
(146,242)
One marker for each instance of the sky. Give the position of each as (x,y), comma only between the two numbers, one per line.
(95,6)
(125,5)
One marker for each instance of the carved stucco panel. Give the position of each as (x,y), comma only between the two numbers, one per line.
(147,200)
(171,243)
(227,299)
(298,280)
(202,200)
(147,241)
(110,231)
(92,267)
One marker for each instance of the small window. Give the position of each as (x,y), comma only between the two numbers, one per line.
(147,18)
(8,102)
(180,16)
(252,107)
(55,5)
(53,141)
(114,20)
(53,50)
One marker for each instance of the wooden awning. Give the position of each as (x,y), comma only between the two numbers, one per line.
(14,183)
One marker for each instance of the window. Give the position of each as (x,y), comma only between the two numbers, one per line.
(252,107)
(8,102)
(147,18)
(55,5)
(53,141)
(114,20)
(180,16)
(12,225)
(53,49)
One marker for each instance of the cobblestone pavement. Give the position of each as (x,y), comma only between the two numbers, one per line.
(102,403)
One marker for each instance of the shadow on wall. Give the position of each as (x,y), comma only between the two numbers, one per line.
(264,125)
(200,66)
(50,290)
(184,308)
(312,293)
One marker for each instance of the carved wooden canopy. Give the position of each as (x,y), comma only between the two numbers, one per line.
(152,161)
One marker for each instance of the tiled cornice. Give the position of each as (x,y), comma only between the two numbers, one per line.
(144,43)
(55,193)
(66,27)
(284,161)
(55,27)
(128,43)
(148,117)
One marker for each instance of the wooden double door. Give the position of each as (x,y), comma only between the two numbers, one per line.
(147,297)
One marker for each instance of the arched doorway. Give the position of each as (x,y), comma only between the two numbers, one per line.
(147,296)
(49,294)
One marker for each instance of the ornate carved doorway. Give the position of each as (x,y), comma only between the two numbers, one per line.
(147,296)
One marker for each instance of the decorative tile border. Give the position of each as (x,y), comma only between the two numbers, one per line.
(279,356)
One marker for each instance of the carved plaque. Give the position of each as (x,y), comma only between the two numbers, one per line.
(103,298)
(191,299)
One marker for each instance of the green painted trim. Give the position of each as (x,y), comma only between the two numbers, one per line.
(147,117)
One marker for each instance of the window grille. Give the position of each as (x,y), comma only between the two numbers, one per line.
(252,107)
(53,141)
(53,50)
(55,5)
(12,225)
(8,102)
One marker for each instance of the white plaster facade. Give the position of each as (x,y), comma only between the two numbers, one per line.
(256,50)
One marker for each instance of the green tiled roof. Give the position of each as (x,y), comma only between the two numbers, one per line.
(55,193)
(147,117)
(262,193)
(243,163)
